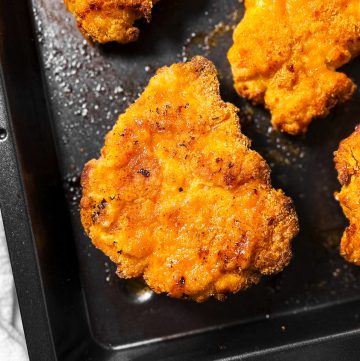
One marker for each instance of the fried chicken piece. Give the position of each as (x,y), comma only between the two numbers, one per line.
(286,52)
(103,21)
(347,160)
(178,197)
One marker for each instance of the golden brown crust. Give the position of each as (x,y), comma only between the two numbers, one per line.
(285,54)
(103,21)
(178,197)
(347,164)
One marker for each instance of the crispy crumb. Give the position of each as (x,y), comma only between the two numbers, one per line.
(285,55)
(206,221)
(347,164)
(103,21)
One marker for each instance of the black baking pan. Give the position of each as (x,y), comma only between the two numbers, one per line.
(59,96)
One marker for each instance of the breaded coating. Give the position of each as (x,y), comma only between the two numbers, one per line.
(347,160)
(103,21)
(285,55)
(177,196)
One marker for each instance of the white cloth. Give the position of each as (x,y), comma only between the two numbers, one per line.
(12,340)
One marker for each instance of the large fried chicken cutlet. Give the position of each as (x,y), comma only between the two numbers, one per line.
(177,196)
(286,52)
(347,160)
(104,21)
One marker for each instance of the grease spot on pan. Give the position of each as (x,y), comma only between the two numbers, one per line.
(136,290)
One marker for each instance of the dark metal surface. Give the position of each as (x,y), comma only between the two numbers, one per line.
(62,95)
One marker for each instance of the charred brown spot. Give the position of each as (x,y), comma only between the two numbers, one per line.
(180,108)
(95,216)
(81,15)
(291,68)
(94,5)
(102,204)
(229,179)
(223,256)
(159,127)
(230,165)
(144,172)
(182,281)
(218,160)
(288,205)
(343,177)
(203,253)
(181,189)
